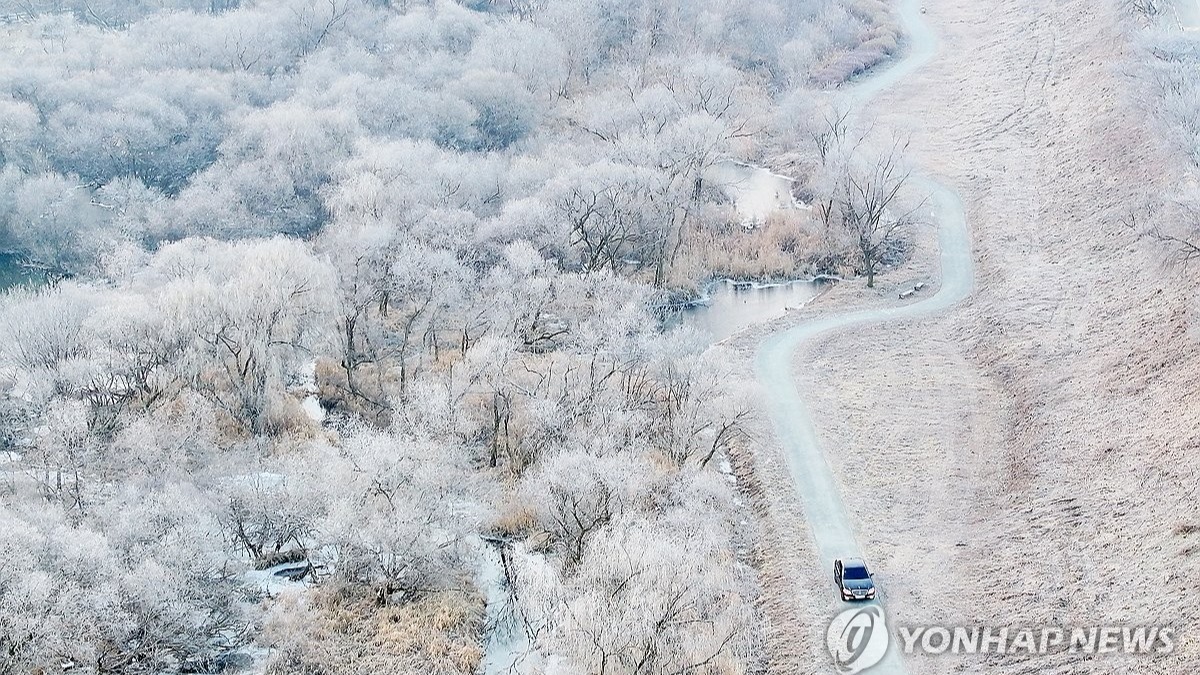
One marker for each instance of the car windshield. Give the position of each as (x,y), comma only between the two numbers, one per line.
(855,573)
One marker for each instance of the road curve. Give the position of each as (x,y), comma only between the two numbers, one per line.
(829,522)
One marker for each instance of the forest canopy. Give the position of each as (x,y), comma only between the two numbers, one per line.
(348,296)
(126,123)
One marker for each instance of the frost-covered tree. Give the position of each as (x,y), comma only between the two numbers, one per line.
(142,594)
(869,201)
(576,496)
(398,512)
(44,328)
(642,601)
(253,311)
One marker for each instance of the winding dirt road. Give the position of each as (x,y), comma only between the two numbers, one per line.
(818,489)
(1030,456)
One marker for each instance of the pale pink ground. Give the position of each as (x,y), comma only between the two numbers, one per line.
(1026,458)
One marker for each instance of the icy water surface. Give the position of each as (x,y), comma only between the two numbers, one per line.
(732,307)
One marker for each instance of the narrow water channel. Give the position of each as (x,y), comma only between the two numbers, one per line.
(13,273)
(730,307)
(755,192)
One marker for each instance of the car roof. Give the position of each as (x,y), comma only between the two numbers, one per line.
(853,562)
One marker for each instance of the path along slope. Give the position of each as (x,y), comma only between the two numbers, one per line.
(1031,456)
(817,488)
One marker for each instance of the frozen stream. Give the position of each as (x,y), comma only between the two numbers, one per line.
(732,307)
(506,647)
(13,273)
(755,192)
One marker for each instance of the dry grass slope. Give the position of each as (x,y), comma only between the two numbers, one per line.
(1031,457)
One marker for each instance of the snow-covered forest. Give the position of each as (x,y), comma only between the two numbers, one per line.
(365,291)
(1163,74)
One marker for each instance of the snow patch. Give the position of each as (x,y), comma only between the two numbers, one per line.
(311,404)
(274,580)
(507,650)
(756,193)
